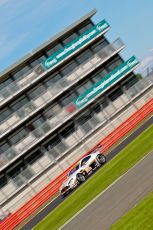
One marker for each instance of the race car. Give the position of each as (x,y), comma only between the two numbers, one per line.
(81,171)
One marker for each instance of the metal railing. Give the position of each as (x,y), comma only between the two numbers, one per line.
(50,124)
(53,91)
(35,105)
(39,71)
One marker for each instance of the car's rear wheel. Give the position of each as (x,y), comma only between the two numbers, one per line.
(80,177)
(101,159)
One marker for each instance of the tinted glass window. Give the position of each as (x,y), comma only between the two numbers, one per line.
(85,28)
(54,49)
(53,142)
(18,137)
(69,69)
(5,114)
(83,162)
(99,46)
(4,147)
(56,109)
(81,89)
(70,38)
(52,80)
(3,181)
(68,131)
(68,99)
(48,113)
(38,122)
(96,108)
(34,157)
(100,75)
(21,73)
(84,118)
(84,57)
(111,66)
(5,83)
(37,92)
(16,170)
(19,104)
(38,61)
(115,94)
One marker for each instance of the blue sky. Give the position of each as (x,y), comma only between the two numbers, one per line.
(25,24)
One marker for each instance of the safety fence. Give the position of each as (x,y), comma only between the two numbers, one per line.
(32,205)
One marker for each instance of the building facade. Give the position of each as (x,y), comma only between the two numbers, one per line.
(54,97)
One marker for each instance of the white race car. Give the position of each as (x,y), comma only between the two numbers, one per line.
(81,171)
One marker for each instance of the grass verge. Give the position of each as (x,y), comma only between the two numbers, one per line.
(138,218)
(100,181)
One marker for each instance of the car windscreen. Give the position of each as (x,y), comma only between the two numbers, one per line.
(84,160)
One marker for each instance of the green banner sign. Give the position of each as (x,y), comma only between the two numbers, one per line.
(106,82)
(76,44)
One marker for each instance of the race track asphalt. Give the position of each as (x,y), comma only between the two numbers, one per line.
(59,200)
(117,199)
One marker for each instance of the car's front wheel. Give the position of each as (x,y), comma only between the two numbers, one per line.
(80,177)
(101,159)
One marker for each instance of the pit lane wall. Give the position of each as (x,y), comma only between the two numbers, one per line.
(32,205)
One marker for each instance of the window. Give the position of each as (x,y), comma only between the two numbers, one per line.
(38,61)
(112,65)
(84,118)
(5,83)
(10,154)
(15,170)
(39,127)
(81,89)
(100,75)
(37,92)
(88,84)
(32,158)
(84,161)
(56,109)
(15,174)
(38,122)
(27,173)
(129,82)
(52,143)
(84,56)
(69,68)
(56,146)
(48,113)
(98,46)
(5,114)
(52,80)
(115,94)
(3,181)
(104,102)
(19,104)
(21,73)
(85,28)
(96,108)
(18,137)
(68,131)
(4,147)
(54,49)
(69,39)
(68,99)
